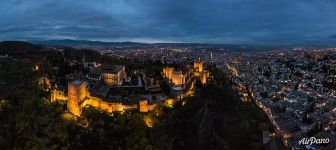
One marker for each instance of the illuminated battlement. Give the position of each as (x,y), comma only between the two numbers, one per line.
(199,71)
(77,93)
(56,95)
(198,65)
(98,103)
(145,107)
(79,97)
(168,72)
(177,77)
(204,76)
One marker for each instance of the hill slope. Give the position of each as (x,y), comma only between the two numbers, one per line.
(18,47)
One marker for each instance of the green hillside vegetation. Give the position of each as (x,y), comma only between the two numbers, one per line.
(216,119)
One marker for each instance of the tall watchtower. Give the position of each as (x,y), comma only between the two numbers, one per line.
(77,93)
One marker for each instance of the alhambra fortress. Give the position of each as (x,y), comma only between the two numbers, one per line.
(105,87)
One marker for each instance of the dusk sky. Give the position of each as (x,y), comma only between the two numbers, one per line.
(206,21)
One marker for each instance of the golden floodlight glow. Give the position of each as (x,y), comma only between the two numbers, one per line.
(36,67)
(85,123)
(148,121)
(183,103)
(169,103)
(198,65)
(67,116)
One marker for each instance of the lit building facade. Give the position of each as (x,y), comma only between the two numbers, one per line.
(198,65)
(79,97)
(113,75)
(77,93)
(56,95)
(204,77)
(168,72)
(178,78)
(200,72)
(106,106)
(144,106)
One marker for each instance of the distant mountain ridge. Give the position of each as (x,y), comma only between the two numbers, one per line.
(86,43)
(107,45)
(18,47)
(127,45)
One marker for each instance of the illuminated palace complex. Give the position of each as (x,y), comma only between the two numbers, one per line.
(200,72)
(106,93)
(182,80)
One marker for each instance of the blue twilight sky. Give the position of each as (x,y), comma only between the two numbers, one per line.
(206,21)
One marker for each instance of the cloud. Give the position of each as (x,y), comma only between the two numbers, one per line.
(215,21)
